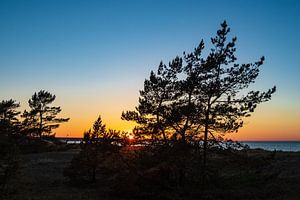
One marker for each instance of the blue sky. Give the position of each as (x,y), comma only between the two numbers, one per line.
(95,53)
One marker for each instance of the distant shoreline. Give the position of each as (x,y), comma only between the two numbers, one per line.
(77,138)
(286,146)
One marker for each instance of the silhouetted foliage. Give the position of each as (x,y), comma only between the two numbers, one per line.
(97,150)
(42,118)
(159,91)
(10,128)
(99,134)
(199,97)
(9,123)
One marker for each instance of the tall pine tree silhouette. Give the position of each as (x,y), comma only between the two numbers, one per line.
(200,97)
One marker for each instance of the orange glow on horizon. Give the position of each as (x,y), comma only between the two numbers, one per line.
(267,123)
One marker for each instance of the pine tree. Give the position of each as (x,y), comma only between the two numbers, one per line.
(42,118)
(9,122)
(154,99)
(220,91)
(200,97)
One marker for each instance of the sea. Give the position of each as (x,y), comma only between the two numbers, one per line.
(293,146)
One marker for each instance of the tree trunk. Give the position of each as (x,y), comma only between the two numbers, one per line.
(183,140)
(161,128)
(205,138)
(41,125)
(205,143)
(164,136)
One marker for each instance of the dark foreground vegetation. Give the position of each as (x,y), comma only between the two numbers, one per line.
(109,166)
(176,151)
(158,173)
(121,168)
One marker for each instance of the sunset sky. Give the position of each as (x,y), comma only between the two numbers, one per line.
(95,55)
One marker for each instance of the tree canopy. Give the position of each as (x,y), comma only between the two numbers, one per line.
(9,122)
(42,118)
(197,96)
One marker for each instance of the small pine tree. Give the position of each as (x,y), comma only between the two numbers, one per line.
(42,118)
(9,122)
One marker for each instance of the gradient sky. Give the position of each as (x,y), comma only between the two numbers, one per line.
(95,55)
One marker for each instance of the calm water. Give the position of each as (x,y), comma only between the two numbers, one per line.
(278,145)
(267,145)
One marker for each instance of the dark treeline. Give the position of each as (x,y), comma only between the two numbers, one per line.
(39,121)
(177,150)
(26,132)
